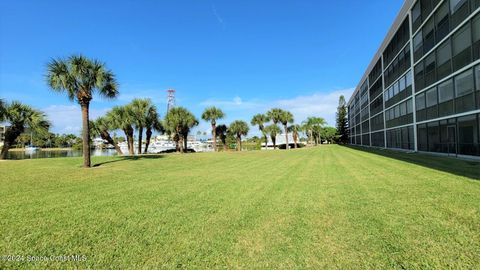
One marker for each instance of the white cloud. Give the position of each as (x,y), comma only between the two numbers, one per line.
(157,96)
(234,104)
(319,104)
(68,118)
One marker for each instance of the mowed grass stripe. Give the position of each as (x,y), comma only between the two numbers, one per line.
(329,207)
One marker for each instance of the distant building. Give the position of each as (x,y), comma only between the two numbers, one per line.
(421,91)
(3,129)
(280,141)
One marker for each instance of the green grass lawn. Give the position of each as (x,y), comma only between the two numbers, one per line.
(329,207)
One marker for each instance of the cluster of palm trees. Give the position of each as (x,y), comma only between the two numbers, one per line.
(21,118)
(140,115)
(274,117)
(312,126)
(81,78)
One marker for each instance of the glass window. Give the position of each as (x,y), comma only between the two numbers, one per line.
(477,77)
(476,28)
(409,79)
(445,91)
(432,97)
(403,108)
(428,35)
(416,12)
(462,40)
(455,4)
(390,92)
(444,53)
(464,83)
(402,84)
(442,21)
(409,106)
(468,135)
(397,111)
(395,89)
(420,101)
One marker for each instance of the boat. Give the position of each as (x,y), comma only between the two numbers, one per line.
(30,148)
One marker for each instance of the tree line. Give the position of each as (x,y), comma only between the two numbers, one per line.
(80,78)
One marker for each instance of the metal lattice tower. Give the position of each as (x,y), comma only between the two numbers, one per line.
(170,99)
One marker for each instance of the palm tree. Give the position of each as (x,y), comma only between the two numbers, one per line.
(285,118)
(239,129)
(295,130)
(152,122)
(139,108)
(178,123)
(80,77)
(259,120)
(212,114)
(275,115)
(221,131)
(101,127)
(314,125)
(273,130)
(122,118)
(21,117)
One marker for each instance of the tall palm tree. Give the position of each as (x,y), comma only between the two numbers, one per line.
(239,128)
(285,118)
(295,130)
(139,108)
(152,123)
(221,132)
(212,114)
(80,77)
(21,117)
(260,120)
(121,117)
(178,123)
(101,127)
(273,130)
(275,115)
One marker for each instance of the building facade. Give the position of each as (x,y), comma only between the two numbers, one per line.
(421,92)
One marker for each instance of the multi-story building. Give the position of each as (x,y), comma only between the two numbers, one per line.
(421,92)
(3,129)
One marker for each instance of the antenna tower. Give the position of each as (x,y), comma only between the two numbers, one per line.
(170,99)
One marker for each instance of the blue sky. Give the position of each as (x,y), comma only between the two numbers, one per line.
(243,56)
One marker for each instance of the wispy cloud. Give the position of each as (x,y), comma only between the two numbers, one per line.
(217,16)
(318,104)
(235,103)
(68,118)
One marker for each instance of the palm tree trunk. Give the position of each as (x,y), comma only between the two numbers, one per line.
(238,143)
(185,143)
(224,141)
(106,136)
(140,135)
(131,147)
(286,137)
(147,140)
(11,135)
(214,132)
(6,146)
(86,135)
(295,138)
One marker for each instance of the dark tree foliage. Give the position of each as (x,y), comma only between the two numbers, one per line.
(342,121)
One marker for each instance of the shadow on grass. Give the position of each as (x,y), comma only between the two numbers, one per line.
(466,168)
(129,158)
